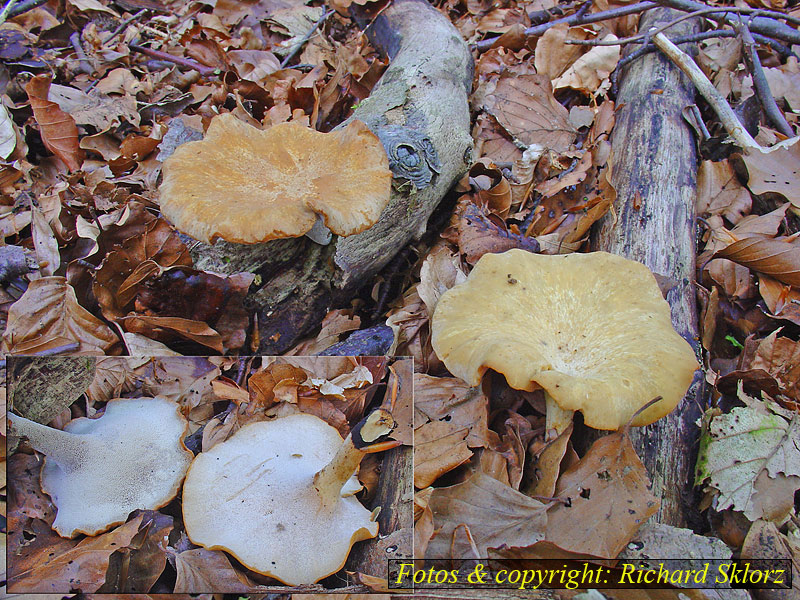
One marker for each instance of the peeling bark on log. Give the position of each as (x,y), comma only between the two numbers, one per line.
(419,111)
(654,166)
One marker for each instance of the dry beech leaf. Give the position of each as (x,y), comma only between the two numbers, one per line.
(720,193)
(141,568)
(780,357)
(494,513)
(98,110)
(402,376)
(737,447)
(525,107)
(48,315)
(185,380)
(201,570)
(609,496)
(167,327)
(439,447)
(782,300)
(452,400)
(8,134)
(335,324)
(58,129)
(777,258)
(52,564)
(591,70)
(553,55)
(777,171)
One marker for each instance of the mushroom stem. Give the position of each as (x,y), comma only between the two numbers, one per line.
(61,446)
(556,418)
(329,481)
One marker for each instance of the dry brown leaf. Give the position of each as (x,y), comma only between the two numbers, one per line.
(184,380)
(553,56)
(58,129)
(782,300)
(52,564)
(777,258)
(98,110)
(525,107)
(439,447)
(495,515)
(201,570)
(48,315)
(609,497)
(780,357)
(451,400)
(440,271)
(720,193)
(590,72)
(777,171)
(165,328)
(139,570)
(402,377)
(336,323)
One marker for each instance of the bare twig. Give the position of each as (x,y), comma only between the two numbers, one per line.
(537,17)
(774,113)
(767,23)
(690,39)
(122,26)
(724,111)
(644,36)
(85,65)
(24,6)
(306,37)
(4,14)
(575,19)
(177,60)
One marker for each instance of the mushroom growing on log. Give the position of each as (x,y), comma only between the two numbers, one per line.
(419,111)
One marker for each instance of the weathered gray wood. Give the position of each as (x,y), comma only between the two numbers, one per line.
(654,173)
(419,111)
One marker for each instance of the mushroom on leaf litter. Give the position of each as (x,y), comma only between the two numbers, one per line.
(279,496)
(592,329)
(97,471)
(248,185)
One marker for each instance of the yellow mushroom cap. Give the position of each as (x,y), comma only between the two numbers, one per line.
(98,471)
(248,185)
(592,329)
(254,496)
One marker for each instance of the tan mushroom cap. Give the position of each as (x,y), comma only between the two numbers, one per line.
(592,329)
(254,496)
(97,471)
(248,185)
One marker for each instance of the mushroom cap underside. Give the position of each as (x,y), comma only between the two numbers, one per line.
(133,458)
(253,496)
(592,329)
(247,185)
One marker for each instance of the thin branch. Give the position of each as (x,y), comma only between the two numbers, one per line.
(298,46)
(6,10)
(178,60)
(774,113)
(122,26)
(83,60)
(24,6)
(575,19)
(768,23)
(724,111)
(663,28)
(537,17)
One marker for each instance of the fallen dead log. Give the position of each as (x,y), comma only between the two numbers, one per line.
(419,111)
(654,173)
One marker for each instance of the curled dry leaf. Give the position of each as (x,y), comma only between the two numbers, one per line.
(609,498)
(589,73)
(778,258)
(495,515)
(201,570)
(782,300)
(780,357)
(720,193)
(58,129)
(48,315)
(765,541)
(439,447)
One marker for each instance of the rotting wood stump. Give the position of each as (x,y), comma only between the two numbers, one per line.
(419,111)
(655,176)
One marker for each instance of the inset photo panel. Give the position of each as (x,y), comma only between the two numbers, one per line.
(207,475)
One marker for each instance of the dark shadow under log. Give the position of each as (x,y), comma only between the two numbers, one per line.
(419,111)
(654,173)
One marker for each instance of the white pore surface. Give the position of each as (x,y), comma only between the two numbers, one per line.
(253,497)
(131,458)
